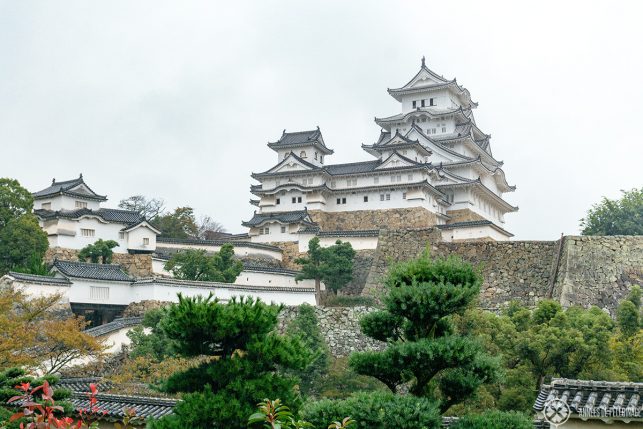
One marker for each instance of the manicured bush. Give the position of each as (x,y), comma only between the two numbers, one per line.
(375,410)
(493,420)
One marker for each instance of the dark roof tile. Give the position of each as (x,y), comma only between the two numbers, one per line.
(115,325)
(85,270)
(32,278)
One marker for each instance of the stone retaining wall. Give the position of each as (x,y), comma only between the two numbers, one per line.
(463,215)
(590,270)
(339,327)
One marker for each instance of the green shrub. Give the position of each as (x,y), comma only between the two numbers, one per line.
(375,410)
(341,381)
(348,301)
(493,420)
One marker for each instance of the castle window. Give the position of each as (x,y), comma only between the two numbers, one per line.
(403,195)
(278,201)
(365,198)
(341,200)
(396,178)
(351,182)
(321,159)
(87,232)
(121,236)
(315,154)
(333,184)
(283,229)
(422,103)
(381,197)
(46,206)
(146,241)
(294,200)
(444,129)
(415,104)
(302,154)
(431,102)
(81,204)
(264,231)
(299,199)
(388,197)
(99,293)
(376,180)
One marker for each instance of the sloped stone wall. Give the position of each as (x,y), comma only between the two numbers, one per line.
(599,270)
(582,271)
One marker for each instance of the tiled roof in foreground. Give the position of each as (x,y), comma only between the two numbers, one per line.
(606,399)
(85,270)
(127,217)
(114,406)
(282,217)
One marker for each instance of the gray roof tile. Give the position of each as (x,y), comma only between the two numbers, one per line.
(32,278)
(283,217)
(114,406)
(85,270)
(606,395)
(115,325)
(127,217)
(65,187)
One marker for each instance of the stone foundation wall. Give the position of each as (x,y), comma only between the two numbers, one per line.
(413,217)
(599,270)
(138,265)
(361,266)
(290,252)
(512,270)
(339,327)
(463,215)
(394,246)
(580,271)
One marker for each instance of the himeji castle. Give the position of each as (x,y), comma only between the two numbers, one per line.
(432,166)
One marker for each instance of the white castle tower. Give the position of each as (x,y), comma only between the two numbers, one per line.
(433,166)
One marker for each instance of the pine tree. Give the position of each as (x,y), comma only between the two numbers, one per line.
(424,354)
(247,361)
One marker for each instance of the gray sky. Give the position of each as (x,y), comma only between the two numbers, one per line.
(178,99)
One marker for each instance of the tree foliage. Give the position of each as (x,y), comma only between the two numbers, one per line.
(549,341)
(493,420)
(332,265)
(150,208)
(247,361)
(15,201)
(32,335)
(375,410)
(305,327)
(22,242)
(423,352)
(616,217)
(99,252)
(179,224)
(196,264)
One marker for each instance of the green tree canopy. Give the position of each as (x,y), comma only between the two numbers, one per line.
(179,224)
(616,217)
(101,251)
(196,264)
(423,351)
(332,265)
(15,201)
(247,360)
(22,243)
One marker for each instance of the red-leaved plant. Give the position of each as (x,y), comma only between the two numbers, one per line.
(42,415)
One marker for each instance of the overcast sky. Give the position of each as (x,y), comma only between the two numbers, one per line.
(177,99)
